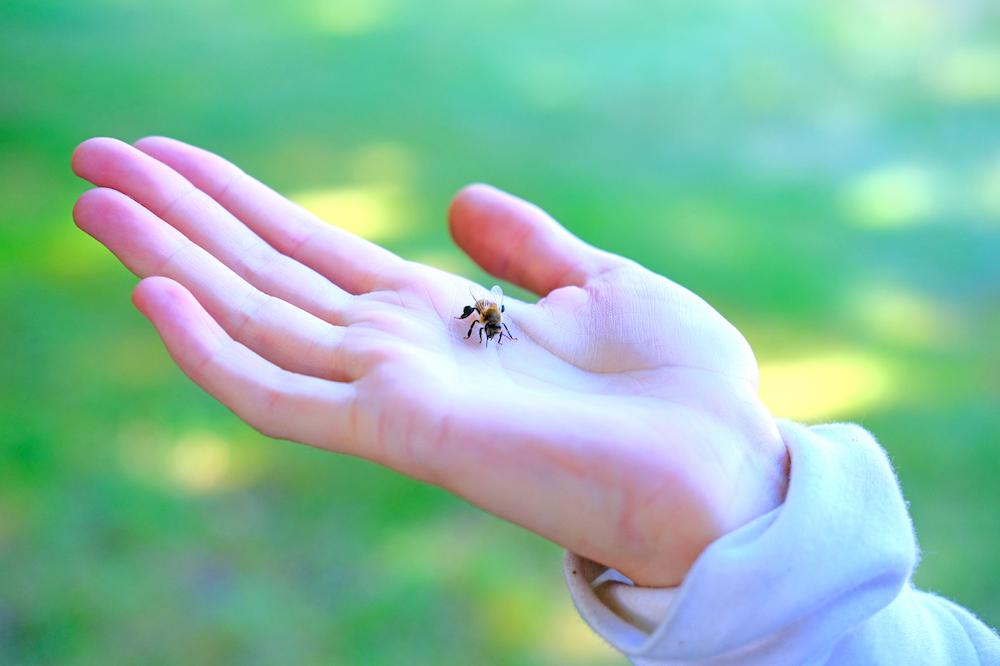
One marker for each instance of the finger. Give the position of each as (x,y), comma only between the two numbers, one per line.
(518,242)
(113,164)
(349,261)
(276,402)
(284,334)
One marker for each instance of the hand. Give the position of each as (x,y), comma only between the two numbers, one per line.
(623,423)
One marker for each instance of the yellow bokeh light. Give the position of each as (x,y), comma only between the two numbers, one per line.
(372,212)
(197,462)
(200,462)
(885,36)
(906,317)
(969,74)
(379,205)
(350,17)
(825,387)
(895,196)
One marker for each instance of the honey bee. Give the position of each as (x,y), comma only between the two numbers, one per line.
(490,309)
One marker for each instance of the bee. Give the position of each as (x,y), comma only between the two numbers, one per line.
(490,309)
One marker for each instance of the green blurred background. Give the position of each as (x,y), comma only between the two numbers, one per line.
(827,174)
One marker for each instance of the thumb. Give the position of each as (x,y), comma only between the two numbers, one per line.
(518,242)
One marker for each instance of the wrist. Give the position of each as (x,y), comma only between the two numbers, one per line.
(742,475)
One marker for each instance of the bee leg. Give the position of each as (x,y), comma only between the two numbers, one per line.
(470,329)
(481,338)
(508,332)
(468,310)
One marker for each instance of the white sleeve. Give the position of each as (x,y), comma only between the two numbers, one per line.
(823,579)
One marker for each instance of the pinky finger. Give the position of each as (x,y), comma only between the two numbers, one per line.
(274,401)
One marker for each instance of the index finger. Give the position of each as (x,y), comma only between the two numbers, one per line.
(353,263)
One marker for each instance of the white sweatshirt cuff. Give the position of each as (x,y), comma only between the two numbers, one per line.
(786,587)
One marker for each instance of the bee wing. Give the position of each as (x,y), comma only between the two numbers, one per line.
(479,296)
(484,299)
(497,296)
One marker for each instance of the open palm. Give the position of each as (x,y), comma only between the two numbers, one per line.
(622,423)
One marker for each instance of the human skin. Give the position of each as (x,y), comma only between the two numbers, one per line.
(622,424)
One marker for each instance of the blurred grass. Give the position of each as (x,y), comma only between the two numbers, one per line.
(826,174)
